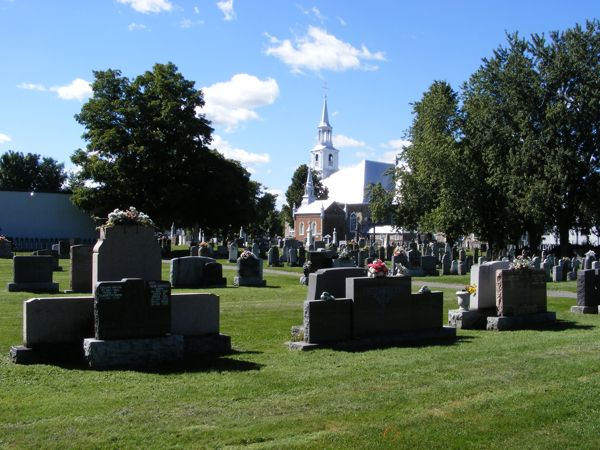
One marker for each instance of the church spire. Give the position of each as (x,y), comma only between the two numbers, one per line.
(325,116)
(324,156)
(309,189)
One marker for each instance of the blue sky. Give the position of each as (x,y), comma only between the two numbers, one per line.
(262,65)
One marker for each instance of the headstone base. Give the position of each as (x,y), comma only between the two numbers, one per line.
(104,354)
(32,287)
(47,354)
(249,281)
(501,323)
(417,272)
(585,309)
(407,338)
(210,344)
(468,320)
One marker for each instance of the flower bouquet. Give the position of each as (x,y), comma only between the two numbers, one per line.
(128,217)
(377,269)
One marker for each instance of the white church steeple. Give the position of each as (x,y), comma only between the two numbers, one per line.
(324,156)
(309,190)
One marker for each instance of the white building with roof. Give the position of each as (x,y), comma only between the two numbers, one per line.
(348,203)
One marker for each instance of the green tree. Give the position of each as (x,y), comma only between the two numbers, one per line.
(30,172)
(380,203)
(431,180)
(295,191)
(533,113)
(266,220)
(148,146)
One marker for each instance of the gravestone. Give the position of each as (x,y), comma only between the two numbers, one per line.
(273,256)
(454,267)
(331,280)
(520,292)
(126,252)
(205,250)
(256,250)
(293,257)
(446,264)
(54,253)
(536,262)
(327,321)
(81,268)
(132,308)
(233,252)
(414,259)
(6,249)
(194,249)
(320,260)
(195,272)
(484,277)
(301,255)
(249,271)
(588,292)
(557,273)
(462,268)
(590,257)
(429,265)
(386,306)
(462,255)
(32,274)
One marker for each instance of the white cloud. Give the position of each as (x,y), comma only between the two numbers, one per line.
(319,50)
(396,144)
(226,7)
(341,21)
(136,26)
(241,155)
(4,138)
(388,157)
(341,141)
(78,89)
(32,87)
(230,102)
(196,10)
(314,11)
(148,6)
(187,23)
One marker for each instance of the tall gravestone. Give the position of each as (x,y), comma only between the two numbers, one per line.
(588,292)
(126,251)
(249,271)
(233,251)
(81,268)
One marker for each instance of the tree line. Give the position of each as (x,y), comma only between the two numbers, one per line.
(515,151)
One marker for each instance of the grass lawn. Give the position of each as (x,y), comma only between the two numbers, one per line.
(521,389)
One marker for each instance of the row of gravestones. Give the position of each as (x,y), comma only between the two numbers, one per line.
(345,308)
(504,298)
(132,319)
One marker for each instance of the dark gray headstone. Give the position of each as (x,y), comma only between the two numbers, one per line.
(33,274)
(194,249)
(81,268)
(132,308)
(327,321)
(429,265)
(588,288)
(332,281)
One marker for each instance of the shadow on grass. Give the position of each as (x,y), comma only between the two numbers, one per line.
(563,325)
(206,363)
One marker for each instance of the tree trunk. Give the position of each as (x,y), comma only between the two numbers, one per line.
(563,233)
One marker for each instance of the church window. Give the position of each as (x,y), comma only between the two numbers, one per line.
(330,159)
(301,228)
(313,228)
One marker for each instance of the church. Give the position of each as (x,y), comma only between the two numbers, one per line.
(346,211)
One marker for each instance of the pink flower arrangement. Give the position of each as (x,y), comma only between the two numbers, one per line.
(378,268)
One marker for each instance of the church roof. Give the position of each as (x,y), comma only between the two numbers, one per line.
(315,207)
(350,185)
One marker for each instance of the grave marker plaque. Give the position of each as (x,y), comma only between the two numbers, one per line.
(132,308)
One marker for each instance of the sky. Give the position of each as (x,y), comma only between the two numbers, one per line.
(264,66)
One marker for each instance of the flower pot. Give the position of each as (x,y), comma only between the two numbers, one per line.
(464,300)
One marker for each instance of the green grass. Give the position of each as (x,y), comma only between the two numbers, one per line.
(522,389)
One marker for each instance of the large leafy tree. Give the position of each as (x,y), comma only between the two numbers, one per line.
(533,113)
(148,146)
(30,172)
(431,179)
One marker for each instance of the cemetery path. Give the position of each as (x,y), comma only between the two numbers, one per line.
(416,281)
